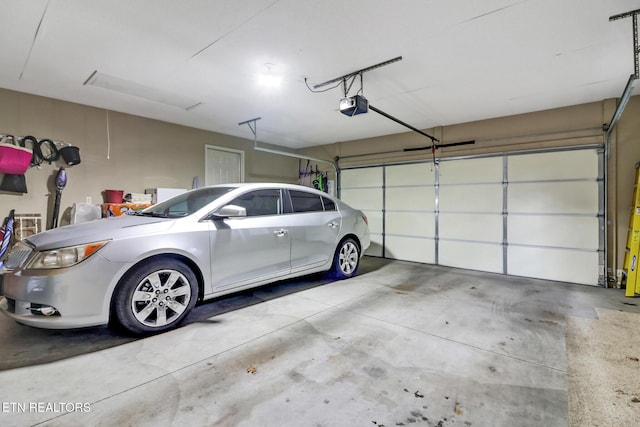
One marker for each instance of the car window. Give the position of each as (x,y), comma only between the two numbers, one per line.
(260,202)
(186,203)
(329,205)
(305,202)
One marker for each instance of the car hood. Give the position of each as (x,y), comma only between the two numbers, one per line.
(98,230)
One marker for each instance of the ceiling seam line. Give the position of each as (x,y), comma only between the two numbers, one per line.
(234,29)
(33,42)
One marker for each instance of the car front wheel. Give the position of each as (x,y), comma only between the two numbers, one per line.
(155,296)
(346,259)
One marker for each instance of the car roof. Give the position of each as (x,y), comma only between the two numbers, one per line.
(258,185)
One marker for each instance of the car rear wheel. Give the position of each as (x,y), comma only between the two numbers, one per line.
(155,296)
(346,259)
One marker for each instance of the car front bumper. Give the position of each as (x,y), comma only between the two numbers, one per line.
(66,298)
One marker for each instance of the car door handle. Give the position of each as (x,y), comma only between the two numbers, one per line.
(332,224)
(280,232)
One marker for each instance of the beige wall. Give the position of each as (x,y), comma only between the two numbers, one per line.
(574,125)
(144,153)
(624,154)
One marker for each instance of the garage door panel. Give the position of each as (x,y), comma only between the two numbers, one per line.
(554,264)
(363,198)
(376,246)
(411,249)
(361,188)
(582,164)
(482,227)
(579,197)
(471,198)
(470,171)
(410,198)
(364,177)
(375,221)
(473,256)
(411,224)
(414,174)
(558,231)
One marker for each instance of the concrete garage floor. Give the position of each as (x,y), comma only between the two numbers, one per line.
(400,344)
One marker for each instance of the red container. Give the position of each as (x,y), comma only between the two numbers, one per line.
(114,196)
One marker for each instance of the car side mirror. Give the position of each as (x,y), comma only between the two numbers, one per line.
(230,211)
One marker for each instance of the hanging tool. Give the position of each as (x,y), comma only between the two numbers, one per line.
(320,183)
(6,233)
(304,176)
(61,182)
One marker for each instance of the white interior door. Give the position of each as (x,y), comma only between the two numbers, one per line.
(223,165)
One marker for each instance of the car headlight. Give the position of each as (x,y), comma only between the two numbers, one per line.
(64,257)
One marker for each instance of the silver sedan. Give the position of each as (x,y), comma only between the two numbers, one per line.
(145,272)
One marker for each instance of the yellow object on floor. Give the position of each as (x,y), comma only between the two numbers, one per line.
(633,241)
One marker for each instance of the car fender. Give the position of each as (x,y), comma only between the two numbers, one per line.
(152,248)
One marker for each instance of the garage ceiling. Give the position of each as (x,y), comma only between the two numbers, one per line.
(462,61)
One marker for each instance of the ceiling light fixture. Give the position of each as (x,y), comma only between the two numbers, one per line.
(141,91)
(268,79)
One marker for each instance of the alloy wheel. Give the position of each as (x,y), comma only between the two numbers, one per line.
(160,298)
(348,258)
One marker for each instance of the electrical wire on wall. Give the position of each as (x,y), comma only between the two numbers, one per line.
(108,137)
(108,123)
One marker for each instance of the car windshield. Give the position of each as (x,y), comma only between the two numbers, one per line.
(186,203)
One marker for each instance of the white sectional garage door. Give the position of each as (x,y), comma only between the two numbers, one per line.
(409,213)
(555,226)
(470,214)
(365,190)
(525,214)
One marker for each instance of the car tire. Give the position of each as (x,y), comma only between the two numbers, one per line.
(346,260)
(155,296)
